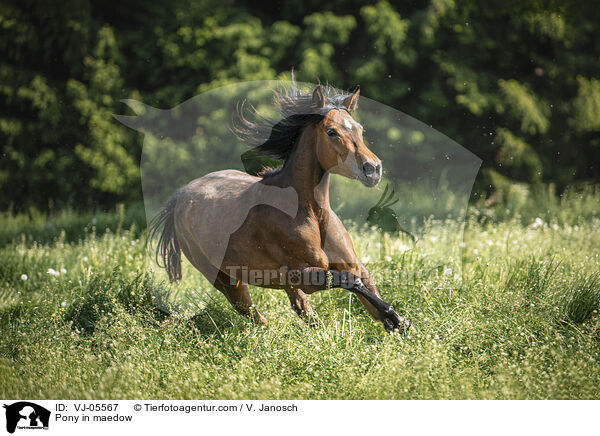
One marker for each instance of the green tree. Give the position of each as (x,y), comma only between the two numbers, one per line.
(516,83)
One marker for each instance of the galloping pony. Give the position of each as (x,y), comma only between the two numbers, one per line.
(278,230)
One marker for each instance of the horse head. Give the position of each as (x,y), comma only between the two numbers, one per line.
(340,146)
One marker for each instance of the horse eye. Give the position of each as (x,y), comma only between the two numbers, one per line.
(332,132)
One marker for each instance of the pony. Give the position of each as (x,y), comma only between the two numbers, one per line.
(277,229)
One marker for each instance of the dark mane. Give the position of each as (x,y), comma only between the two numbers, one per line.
(269,172)
(277,138)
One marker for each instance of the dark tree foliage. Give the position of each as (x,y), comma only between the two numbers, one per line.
(517,83)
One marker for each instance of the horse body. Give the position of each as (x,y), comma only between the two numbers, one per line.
(211,209)
(279,231)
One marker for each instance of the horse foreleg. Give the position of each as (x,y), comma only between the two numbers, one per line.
(370,284)
(317,279)
(383,311)
(300,304)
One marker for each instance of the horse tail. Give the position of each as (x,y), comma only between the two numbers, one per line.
(168,250)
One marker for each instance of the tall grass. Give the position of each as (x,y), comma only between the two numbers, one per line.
(509,313)
(576,204)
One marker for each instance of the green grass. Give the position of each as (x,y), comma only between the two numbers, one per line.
(512,313)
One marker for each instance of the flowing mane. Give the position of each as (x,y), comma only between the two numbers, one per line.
(277,138)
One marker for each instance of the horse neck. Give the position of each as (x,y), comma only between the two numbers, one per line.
(304,173)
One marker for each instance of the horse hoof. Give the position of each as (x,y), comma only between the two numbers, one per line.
(405,326)
(394,322)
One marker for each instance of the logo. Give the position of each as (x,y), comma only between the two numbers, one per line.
(26,415)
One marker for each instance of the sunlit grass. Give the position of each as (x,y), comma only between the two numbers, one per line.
(510,312)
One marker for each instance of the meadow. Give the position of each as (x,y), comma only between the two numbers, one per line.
(508,312)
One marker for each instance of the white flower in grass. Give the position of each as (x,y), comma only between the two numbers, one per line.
(52,272)
(448,271)
(24,277)
(538,222)
(63,304)
(85,258)
(63,271)
(456,276)
(365,259)
(476,251)
(388,258)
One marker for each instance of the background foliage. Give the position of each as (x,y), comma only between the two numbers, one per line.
(515,82)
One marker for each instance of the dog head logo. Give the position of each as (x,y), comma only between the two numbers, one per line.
(26,415)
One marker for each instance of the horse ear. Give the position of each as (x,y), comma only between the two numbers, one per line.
(352,101)
(318,99)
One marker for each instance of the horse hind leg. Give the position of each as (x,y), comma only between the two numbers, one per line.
(236,291)
(238,295)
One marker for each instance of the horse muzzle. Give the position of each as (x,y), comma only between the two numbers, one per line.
(371,174)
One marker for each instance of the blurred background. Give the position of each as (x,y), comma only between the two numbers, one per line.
(516,83)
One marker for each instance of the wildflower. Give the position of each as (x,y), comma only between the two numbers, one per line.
(447,271)
(63,304)
(365,259)
(462,245)
(23,277)
(63,271)
(456,276)
(476,251)
(538,222)
(388,258)
(52,272)
(85,258)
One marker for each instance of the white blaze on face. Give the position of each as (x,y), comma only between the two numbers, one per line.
(351,125)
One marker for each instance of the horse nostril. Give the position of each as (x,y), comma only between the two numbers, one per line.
(368,169)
